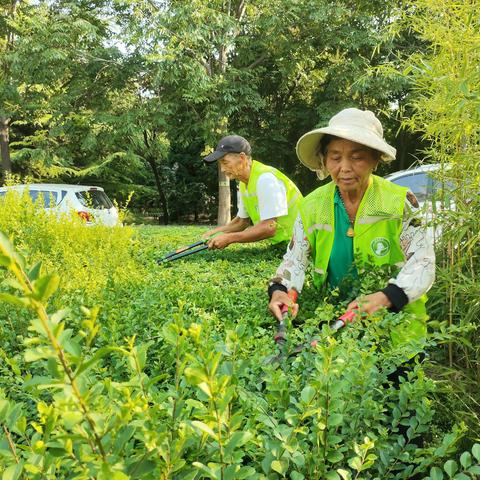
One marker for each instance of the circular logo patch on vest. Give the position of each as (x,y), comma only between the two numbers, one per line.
(380,246)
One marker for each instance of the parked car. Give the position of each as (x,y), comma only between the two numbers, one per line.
(90,203)
(422,182)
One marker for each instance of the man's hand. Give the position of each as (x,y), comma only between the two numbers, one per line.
(370,303)
(279,299)
(220,241)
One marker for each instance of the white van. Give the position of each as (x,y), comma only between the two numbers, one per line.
(90,203)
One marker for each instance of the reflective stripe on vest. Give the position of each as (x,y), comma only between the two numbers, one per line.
(250,200)
(377,228)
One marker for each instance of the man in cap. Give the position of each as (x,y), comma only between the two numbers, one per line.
(267,198)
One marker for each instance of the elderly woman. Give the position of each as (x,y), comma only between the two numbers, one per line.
(356,219)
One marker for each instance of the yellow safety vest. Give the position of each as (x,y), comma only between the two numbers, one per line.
(250,200)
(376,240)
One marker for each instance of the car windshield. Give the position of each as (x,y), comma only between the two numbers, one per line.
(94,199)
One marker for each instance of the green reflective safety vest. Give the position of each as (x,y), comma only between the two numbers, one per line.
(377,228)
(250,200)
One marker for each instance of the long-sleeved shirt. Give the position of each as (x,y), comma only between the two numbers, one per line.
(414,278)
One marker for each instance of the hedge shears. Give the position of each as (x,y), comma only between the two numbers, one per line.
(184,251)
(281,335)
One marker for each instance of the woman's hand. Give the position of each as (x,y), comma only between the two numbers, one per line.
(370,303)
(277,301)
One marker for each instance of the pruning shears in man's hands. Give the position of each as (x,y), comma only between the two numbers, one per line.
(184,251)
(181,252)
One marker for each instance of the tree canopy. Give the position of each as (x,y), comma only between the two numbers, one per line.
(131,95)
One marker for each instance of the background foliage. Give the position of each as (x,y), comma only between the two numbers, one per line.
(129,95)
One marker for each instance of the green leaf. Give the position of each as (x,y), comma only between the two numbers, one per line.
(59,315)
(332,475)
(119,476)
(141,351)
(21,425)
(189,475)
(345,474)
(5,261)
(436,473)
(99,354)
(211,473)
(335,456)
(244,472)
(450,467)
(307,395)
(14,471)
(335,419)
(70,419)
(72,347)
(298,458)
(34,354)
(195,375)
(237,440)
(355,463)
(13,300)
(294,475)
(7,249)
(34,273)
(203,427)
(14,283)
(122,438)
(205,388)
(461,476)
(142,468)
(279,466)
(466,459)
(475,470)
(45,287)
(476,451)
(195,404)
(334,439)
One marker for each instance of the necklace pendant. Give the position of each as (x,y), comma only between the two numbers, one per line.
(350,232)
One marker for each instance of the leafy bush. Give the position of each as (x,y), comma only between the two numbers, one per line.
(168,379)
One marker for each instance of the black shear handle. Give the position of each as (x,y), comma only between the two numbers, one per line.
(180,250)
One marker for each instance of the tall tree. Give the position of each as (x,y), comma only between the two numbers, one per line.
(191,46)
(59,75)
(7,36)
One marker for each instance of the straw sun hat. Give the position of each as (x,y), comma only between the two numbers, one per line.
(360,126)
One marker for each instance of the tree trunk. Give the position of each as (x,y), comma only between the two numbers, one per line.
(4,146)
(224,215)
(163,201)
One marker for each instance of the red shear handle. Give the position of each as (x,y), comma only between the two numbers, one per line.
(347,317)
(293,294)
